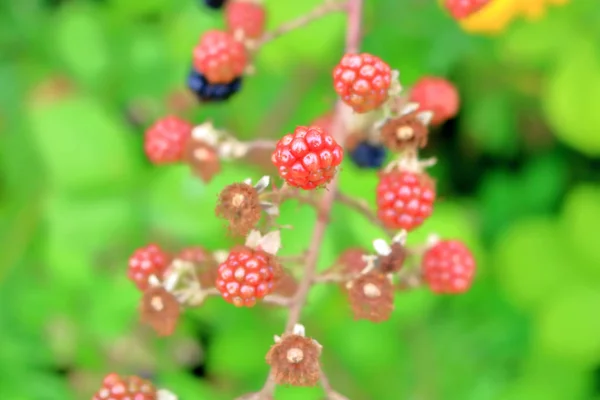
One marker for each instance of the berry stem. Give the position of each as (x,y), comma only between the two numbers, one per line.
(362,208)
(354,10)
(261,144)
(354,17)
(328,7)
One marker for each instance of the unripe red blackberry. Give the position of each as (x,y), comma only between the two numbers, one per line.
(145,262)
(362,81)
(437,95)
(448,267)
(404,199)
(165,141)
(247,16)
(247,275)
(307,158)
(461,9)
(219,57)
(115,387)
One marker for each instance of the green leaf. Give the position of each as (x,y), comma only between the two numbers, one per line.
(543,182)
(531,263)
(136,8)
(325,35)
(565,328)
(540,42)
(238,352)
(81,42)
(571,95)
(490,122)
(580,220)
(81,145)
(108,318)
(79,230)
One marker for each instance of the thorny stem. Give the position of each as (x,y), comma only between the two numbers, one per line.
(354,11)
(261,144)
(363,208)
(329,6)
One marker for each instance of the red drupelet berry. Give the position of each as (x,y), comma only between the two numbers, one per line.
(362,81)
(307,158)
(460,9)
(165,141)
(115,387)
(448,267)
(219,57)
(247,275)
(248,16)
(145,262)
(437,95)
(404,199)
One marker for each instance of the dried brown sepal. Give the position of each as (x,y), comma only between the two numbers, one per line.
(351,261)
(239,204)
(286,285)
(205,266)
(160,310)
(394,261)
(371,297)
(202,159)
(403,132)
(294,360)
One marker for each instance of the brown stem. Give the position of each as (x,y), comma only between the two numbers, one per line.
(330,394)
(354,9)
(363,208)
(261,144)
(318,12)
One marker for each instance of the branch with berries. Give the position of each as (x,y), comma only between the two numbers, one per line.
(372,117)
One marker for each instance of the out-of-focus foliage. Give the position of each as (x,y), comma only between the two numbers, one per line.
(518,178)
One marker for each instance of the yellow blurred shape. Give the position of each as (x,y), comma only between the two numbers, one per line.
(498,14)
(491,19)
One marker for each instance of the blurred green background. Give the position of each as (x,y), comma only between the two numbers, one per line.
(519,181)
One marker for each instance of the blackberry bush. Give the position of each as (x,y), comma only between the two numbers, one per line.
(373,119)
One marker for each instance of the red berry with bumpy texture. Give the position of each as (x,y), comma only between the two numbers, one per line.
(460,9)
(219,57)
(448,267)
(404,199)
(437,95)
(247,275)
(115,387)
(362,81)
(165,141)
(307,158)
(248,16)
(145,262)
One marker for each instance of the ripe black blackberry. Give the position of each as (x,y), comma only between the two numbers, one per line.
(215,4)
(210,92)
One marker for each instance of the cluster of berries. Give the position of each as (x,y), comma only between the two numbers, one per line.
(222,56)
(380,121)
(363,82)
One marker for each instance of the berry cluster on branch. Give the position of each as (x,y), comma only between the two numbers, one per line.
(373,113)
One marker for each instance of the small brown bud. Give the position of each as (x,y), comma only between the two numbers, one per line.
(394,261)
(371,297)
(161,310)
(295,360)
(402,132)
(239,204)
(203,159)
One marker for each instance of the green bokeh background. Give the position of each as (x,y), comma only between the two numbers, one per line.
(518,179)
